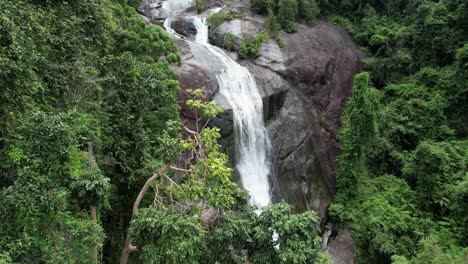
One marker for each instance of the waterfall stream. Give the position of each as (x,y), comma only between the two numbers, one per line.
(238,87)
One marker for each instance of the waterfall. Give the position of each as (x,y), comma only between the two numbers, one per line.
(238,86)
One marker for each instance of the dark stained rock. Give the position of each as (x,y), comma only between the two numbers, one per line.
(321,61)
(184,26)
(224,121)
(318,62)
(299,178)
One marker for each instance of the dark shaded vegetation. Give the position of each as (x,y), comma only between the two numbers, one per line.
(402,174)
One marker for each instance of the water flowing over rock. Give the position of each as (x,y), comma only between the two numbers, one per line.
(240,93)
(304,85)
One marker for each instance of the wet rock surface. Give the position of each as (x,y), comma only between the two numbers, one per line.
(319,61)
(184,26)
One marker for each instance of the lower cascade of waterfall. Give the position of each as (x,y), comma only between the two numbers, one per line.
(238,86)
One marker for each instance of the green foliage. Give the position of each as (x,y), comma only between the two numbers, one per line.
(434,167)
(411,113)
(383,220)
(308,10)
(251,47)
(401,36)
(199,5)
(286,13)
(41,217)
(208,109)
(358,129)
(169,237)
(431,252)
(342,22)
(149,111)
(273,26)
(92,188)
(388,215)
(228,41)
(218,18)
(416,55)
(243,51)
(243,236)
(146,42)
(5,258)
(71,73)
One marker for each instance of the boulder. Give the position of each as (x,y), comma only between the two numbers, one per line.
(245,28)
(161,9)
(184,26)
(299,177)
(271,56)
(342,248)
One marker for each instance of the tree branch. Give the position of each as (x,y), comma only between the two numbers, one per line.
(128,247)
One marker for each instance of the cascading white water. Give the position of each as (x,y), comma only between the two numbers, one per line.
(238,87)
(176,6)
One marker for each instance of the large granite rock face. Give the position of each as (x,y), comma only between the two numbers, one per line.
(304,85)
(319,62)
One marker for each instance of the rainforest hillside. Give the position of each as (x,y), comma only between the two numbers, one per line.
(100,164)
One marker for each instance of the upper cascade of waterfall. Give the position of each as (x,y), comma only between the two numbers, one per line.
(176,6)
(238,86)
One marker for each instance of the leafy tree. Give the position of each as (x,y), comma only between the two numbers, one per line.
(201,210)
(432,253)
(434,166)
(41,218)
(61,90)
(287,14)
(359,127)
(308,10)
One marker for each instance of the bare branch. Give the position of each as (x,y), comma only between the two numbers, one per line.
(128,247)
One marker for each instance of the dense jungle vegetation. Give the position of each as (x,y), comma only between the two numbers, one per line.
(402,176)
(89,116)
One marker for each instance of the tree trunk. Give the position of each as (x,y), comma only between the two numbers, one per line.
(128,247)
(94,252)
(94,220)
